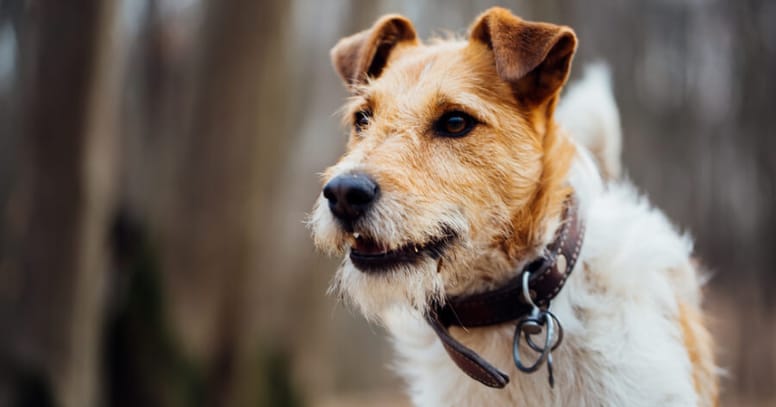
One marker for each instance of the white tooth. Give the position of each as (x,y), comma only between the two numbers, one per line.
(356,235)
(416,248)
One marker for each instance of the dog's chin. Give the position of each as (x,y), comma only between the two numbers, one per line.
(388,263)
(411,284)
(374,277)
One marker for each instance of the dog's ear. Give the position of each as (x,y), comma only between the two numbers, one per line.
(534,57)
(365,54)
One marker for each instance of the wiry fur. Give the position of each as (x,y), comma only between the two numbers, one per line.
(589,112)
(631,309)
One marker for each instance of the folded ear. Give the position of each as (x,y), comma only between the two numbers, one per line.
(534,57)
(365,54)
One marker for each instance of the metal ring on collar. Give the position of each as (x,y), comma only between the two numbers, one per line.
(556,342)
(544,352)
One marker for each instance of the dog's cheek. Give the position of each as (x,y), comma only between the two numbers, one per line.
(464,178)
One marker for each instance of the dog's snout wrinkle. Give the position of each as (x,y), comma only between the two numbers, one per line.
(350,196)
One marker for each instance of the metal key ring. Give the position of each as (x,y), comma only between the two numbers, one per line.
(549,322)
(557,342)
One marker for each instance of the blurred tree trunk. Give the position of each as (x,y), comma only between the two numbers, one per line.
(216,209)
(53,246)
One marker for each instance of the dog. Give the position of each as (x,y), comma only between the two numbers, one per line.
(502,250)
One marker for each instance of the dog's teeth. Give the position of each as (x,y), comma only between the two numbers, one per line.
(416,248)
(356,235)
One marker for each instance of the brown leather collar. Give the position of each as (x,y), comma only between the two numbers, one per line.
(548,274)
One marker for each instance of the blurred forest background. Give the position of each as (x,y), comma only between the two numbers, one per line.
(158,157)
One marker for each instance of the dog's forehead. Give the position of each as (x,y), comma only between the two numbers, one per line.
(444,67)
(419,61)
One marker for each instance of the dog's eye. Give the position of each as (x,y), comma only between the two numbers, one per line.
(454,124)
(361,119)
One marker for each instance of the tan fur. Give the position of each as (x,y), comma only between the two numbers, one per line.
(362,55)
(517,142)
(700,347)
(501,187)
(534,57)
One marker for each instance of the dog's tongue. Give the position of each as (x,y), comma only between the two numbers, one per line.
(367,246)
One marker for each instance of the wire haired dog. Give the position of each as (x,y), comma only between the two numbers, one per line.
(499,248)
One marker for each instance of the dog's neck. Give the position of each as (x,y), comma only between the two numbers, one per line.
(538,284)
(531,227)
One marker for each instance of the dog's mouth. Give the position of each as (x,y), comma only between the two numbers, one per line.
(369,255)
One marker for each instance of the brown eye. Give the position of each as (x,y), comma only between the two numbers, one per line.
(361,120)
(454,124)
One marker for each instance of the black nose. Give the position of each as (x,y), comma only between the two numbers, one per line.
(350,195)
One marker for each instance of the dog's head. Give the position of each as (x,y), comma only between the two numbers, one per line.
(453,167)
